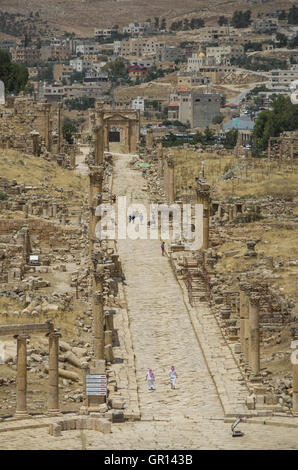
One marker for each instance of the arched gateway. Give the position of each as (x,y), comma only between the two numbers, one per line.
(123,127)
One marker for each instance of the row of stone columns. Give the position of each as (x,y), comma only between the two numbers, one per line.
(53,392)
(250,336)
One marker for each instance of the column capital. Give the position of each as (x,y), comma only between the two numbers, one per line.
(22,337)
(54,334)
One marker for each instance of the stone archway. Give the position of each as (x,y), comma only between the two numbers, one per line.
(122,127)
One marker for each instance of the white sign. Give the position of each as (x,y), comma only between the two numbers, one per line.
(2,93)
(96,384)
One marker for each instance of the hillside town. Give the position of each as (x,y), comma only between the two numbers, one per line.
(116,331)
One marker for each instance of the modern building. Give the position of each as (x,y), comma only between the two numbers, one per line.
(137,28)
(198,60)
(104,33)
(138,104)
(198,108)
(280,80)
(191,79)
(25,55)
(87,49)
(244,125)
(265,25)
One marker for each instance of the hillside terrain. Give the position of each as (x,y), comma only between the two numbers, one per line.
(81,16)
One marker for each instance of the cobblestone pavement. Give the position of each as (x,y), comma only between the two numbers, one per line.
(161,331)
(179,433)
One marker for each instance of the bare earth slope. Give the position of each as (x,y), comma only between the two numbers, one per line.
(82,16)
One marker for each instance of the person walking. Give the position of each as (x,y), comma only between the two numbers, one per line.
(133,217)
(162,246)
(141,218)
(150,379)
(173,376)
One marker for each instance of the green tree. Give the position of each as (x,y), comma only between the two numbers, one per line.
(116,69)
(68,129)
(281,40)
(293,15)
(241,19)
(283,116)
(231,139)
(163,25)
(222,20)
(14,76)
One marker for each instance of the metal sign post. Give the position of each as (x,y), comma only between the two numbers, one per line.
(96,385)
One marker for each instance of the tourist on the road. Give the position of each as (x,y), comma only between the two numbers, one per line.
(129,218)
(173,376)
(114,198)
(141,218)
(133,217)
(162,246)
(150,379)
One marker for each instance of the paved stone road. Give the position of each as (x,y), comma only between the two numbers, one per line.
(161,330)
(190,417)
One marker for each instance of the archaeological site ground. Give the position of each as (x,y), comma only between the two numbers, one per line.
(148,226)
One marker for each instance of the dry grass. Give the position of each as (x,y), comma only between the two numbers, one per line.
(32,170)
(275,240)
(262,178)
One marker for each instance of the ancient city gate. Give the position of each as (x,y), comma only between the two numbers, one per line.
(122,127)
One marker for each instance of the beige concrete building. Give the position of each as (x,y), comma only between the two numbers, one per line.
(223,54)
(62,72)
(280,80)
(25,55)
(198,108)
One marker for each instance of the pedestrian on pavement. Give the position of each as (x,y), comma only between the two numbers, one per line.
(141,218)
(173,376)
(129,218)
(133,217)
(150,379)
(114,198)
(162,246)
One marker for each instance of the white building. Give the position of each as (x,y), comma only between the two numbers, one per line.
(79,65)
(280,80)
(138,104)
(104,33)
(198,60)
(137,28)
(87,49)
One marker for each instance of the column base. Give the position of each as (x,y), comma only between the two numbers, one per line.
(22,415)
(54,413)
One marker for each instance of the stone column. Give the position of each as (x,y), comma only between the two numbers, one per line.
(59,128)
(21,409)
(53,400)
(149,139)
(98,319)
(254,335)
(171,181)
(85,372)
(295,388)
(99,142)
(203,197)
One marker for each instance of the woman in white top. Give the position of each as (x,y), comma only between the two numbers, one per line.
(150,378)
(173,376)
